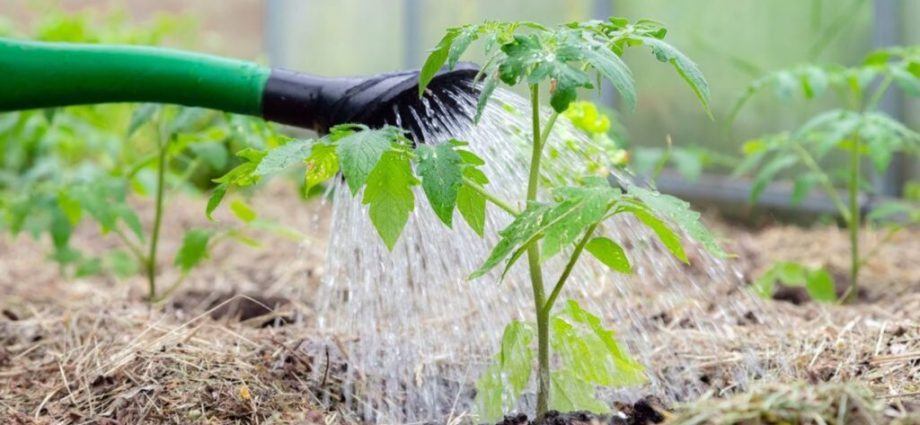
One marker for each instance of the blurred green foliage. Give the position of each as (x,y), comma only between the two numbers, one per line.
(62,167)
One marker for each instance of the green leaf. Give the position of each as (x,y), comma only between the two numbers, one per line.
(389,195)
(193,250)
(491,83)
(322,165)
(577,209)
(768,172)
(907,81)
(130,218)
(470,203)
(242,211)
(217,195)
(570,394)
(668,238)
(359,154)
(613,69)
(498,389)
(610,253)
(817,282)
(591,352)
(523,52)
(559,224)
(70,207)
(684,66)
(437,58)
(820,286)
(213,153)
(60,229)
(440,168)
(679,212)
(280,158)
(521,229)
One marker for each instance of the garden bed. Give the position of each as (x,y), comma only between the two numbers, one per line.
(93,351)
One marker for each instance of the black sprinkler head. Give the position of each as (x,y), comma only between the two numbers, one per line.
(319,103)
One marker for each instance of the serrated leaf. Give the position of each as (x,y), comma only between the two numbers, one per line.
(679,212)
(590,351)
(322,165)
(577,209)
(217,195)
(436,59)
(280,158)
(668,238)
(193,250)
(570,394)
(610,253)
(685,67)
(519,231)
(359,154)
(441,170)
(503,382)
(470,203)
(389,195)
(613,69)
(488,87)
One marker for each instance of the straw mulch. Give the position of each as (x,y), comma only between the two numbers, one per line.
(92,351)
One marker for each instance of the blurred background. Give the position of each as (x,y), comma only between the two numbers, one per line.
(733,42)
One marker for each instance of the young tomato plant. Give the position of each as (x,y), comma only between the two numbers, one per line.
(381,166)
(853,133)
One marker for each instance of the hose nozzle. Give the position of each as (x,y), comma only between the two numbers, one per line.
(319,103)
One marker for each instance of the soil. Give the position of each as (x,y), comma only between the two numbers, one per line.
(642,412)
(235,344)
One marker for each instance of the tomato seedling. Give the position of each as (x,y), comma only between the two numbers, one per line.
(854,132)
(381,166)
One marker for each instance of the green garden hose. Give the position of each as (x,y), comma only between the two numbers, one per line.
(43,75)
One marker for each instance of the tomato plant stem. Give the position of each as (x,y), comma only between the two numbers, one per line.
(824,180)
(157,222)
(548,306)
(855,220)
(491,197)
(533,261)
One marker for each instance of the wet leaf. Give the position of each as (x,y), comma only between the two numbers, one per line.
(359,154)
(498,389)
(280,158)
(610,253)
(389,195)
(441,170)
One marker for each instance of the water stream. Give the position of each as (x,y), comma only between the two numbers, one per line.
(415,334)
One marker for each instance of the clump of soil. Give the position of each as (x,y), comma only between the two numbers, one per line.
(642,412)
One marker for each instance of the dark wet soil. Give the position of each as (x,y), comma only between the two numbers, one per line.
(260,310)
(643,412)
